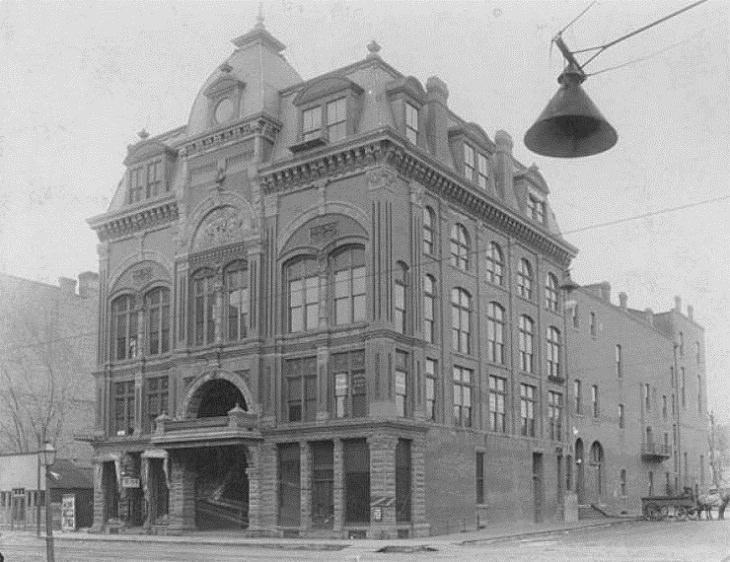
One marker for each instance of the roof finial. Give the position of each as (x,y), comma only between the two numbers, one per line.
(260,17)
(373,47)
(143,134)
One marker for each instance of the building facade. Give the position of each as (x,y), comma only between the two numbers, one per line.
(48,342)
(328,306)
(638,401)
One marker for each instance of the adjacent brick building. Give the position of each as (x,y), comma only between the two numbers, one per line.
(638,400)
(329,306)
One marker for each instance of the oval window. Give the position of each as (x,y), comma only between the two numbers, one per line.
(224,110)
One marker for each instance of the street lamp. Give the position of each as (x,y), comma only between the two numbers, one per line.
(47,456)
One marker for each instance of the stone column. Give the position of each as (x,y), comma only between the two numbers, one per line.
(382,486)
(262,492)
(305,484)
(322,386)
(99,498)
(338,486)
(182,493)
(418,487)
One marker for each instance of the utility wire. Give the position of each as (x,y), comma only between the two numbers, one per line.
(576,18)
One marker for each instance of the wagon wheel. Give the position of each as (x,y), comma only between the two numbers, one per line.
(692,513)
(682,513)
(654,512)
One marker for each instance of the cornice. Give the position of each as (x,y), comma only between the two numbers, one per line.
(384,146)
(128,221)
(261,124)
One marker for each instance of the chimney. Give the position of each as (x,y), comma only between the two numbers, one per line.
(88,284)
(690,311)
(68,286)
(606,291)
(437,95)
(649,315)
(623,299)
(504,168)
(678,304)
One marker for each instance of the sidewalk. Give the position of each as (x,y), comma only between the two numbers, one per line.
(494,532)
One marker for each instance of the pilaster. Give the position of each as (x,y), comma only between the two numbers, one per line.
(382,487)
(338,486)
(305,483)
(182,494)
(418,487)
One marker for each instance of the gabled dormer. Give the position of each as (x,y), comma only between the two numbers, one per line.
(407,98)
(149,169)
(225,99)
(472,151)
(328,110)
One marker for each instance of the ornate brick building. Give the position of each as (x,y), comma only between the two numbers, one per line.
(638,400)
(328,305)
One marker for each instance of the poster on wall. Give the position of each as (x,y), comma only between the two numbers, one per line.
(68,513)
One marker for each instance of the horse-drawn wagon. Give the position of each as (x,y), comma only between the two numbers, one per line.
(685,506)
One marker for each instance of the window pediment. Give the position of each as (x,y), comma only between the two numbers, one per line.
(141,275)
(146,150)
(326,87)
(222,86)
(221,227)
(408,85)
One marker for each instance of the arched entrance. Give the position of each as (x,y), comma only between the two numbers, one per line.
(221,482)
(216,398)
(579,472)
(595,491)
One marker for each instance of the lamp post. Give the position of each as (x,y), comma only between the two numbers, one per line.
(47,457)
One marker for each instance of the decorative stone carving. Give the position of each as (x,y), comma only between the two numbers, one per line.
(223,226)
(323,232)
(380,177)
(141,276)
(417,191)
(271,205)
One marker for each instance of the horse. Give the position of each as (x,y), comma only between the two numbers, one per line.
(705,502)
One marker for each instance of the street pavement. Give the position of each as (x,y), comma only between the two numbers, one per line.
(606,540)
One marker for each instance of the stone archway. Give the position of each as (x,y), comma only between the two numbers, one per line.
(214,392)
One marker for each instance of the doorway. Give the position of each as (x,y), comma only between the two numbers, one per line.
(537,486)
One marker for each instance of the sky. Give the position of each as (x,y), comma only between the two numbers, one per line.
(79,80)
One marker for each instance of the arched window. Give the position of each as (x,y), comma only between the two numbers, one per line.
(348,268)
(526,343)
(460,320)
(157,305)
(429,309)
(553,351)
(236,305)
(204,302)
(124,328)
(495,333)
(524,279)
(459,247)
(399,298)
(429,230)
(302,278)
(495,264)
(551,292)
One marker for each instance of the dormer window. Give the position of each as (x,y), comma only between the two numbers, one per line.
(311,123)
(145,181)
(536,208)
(327,113)
(476,165)
(482,171)
(412,123)
(469,161)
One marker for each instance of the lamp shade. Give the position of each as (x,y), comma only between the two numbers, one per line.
(48,454)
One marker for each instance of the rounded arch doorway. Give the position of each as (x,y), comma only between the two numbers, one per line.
(597,472)
(216,398)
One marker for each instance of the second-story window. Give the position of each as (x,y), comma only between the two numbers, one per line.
(124,328)
(236,304)
(469,161)
(462,396)
(429,309)
(619,361)
(124,418)
(497,401)
(553,351)
(399,299)
(157,305)
(349,384)
(577,397)
(348,267)
(157,395)
(303,292)
(301,389)
(524,279)
(204,304)
(311,123)
(526,343)
(336,120)
(621,418)
(460,320)
(412,123)
(401,383)
(431,378)
(429,230)
(555,414)
(495,333)
(528,399)
(551,292)
(495,264)
(596,406)
(459,247)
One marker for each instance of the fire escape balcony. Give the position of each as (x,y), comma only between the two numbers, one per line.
(656,452)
